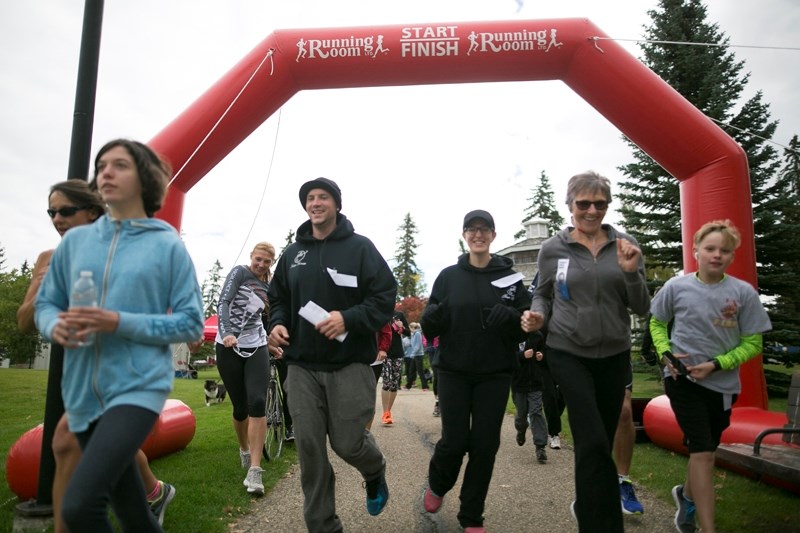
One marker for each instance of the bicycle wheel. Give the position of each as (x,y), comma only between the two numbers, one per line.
(276,429)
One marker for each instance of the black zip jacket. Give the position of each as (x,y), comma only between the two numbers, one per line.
(528,375)
(306,271)
(466,343)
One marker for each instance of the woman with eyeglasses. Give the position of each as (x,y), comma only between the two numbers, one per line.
(591,277)
(72,203)
(474,309)
(243,357)
(115,386)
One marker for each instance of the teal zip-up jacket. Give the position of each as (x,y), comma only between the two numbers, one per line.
(142,271)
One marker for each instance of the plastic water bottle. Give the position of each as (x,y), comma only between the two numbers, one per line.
(84,294)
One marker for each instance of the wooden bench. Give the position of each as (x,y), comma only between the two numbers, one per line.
(775,462)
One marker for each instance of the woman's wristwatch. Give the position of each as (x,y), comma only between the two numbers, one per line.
(717,364)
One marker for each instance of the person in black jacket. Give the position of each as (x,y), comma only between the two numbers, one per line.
(474,309)
(526,391)
(551,395)
(332,291)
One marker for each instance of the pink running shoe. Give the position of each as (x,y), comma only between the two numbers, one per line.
(431,501)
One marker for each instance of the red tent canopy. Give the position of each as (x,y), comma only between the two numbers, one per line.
(210,328)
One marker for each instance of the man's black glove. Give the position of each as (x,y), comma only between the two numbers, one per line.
(434,319)
(503,316)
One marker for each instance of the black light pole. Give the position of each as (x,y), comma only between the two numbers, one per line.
(83,117)
(79,157)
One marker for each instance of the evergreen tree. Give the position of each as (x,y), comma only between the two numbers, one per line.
(542,206)
(784,206)
(711,79)
(408,275)
(211,288)
(289,241)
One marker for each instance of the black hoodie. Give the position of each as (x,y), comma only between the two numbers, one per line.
(306,271)
(466,344)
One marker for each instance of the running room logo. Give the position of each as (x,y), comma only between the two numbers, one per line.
(352,46)
(299,259)
(510,294)
(513,41)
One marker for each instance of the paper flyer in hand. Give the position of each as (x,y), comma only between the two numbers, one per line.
(315,314)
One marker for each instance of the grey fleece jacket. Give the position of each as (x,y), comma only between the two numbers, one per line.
(588,315)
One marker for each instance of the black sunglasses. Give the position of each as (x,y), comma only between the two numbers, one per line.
(600,205)
(66,211)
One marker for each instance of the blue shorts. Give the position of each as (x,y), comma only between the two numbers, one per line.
(700,412)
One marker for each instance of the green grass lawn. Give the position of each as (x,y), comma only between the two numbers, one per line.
(743,505)
(208,476)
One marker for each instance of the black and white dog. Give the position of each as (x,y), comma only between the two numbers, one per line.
(215,392)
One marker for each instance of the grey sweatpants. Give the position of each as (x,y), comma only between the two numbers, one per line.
(530,413)
(333,406)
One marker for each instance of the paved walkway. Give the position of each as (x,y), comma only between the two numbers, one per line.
(524,496)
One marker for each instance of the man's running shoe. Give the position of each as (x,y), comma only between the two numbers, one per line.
(436,410)
(253,481)
(627,496)
(555,442)
(684,516)
(377,495)
(520,437)
(159,505)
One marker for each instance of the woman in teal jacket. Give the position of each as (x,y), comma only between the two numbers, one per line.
(148,297)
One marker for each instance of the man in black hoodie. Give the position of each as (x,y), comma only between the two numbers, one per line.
(331,292)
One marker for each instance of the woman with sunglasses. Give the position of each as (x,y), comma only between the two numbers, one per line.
(591,276)
(243,357)
(115,387)
(72,203)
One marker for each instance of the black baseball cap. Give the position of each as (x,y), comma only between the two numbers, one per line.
(479,213)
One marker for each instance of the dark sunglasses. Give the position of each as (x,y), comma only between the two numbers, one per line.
(66,211)
(583,205)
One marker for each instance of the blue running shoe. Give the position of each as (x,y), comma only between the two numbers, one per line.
(630,505)
(377,495)
(684,516)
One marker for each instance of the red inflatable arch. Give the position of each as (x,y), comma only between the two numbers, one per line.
(711,167)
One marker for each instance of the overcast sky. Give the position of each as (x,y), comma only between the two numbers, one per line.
(435,152)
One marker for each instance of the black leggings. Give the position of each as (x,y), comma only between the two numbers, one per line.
(107,473)
(246,379)
(553,402)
